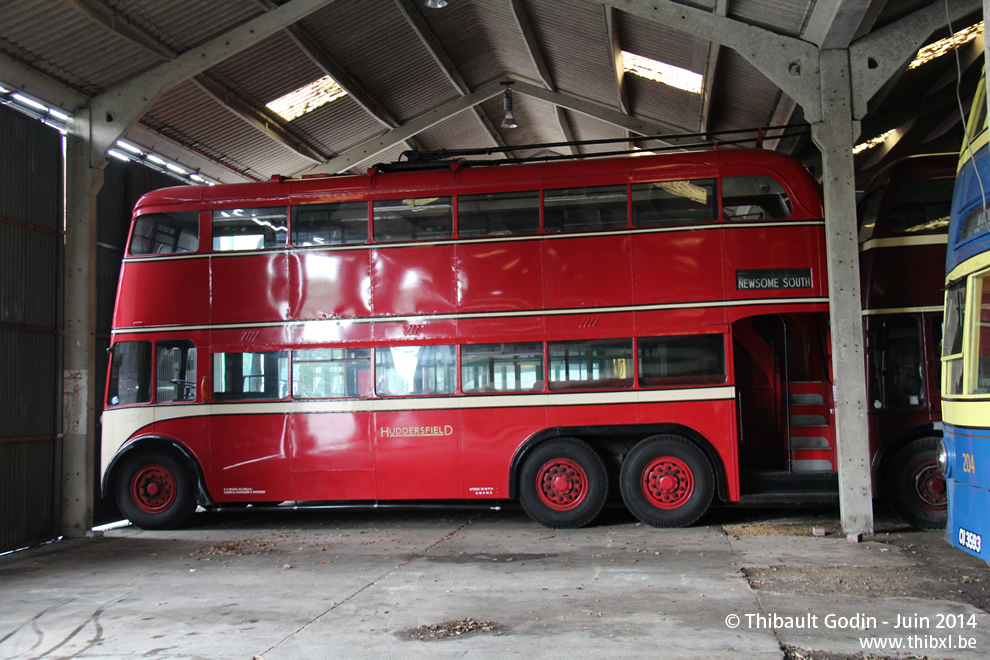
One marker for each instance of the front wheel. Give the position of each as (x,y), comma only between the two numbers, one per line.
(667,481)
(563,483)
(914,486)
(156,490)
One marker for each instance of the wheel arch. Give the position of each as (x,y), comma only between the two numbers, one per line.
(155,443)
(889,448)
(606,440)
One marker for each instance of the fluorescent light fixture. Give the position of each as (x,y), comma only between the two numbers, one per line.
(869,144)
(3,90)
(176,168)
(57,114)
(197,178)
(436,4)
(947,45)
(156,160)
(119,154)
(29,102)
(307,98)
(129,147)
(666,74)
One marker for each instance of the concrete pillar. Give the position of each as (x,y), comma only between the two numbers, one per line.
(80,391)
(835,136)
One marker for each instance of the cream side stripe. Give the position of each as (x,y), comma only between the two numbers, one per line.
(480,240)
(119,424)
(163,412)
(748,302)
(970,266)
(903,310)
(972,413)
(904,241)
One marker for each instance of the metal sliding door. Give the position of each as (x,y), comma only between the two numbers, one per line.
(31,229)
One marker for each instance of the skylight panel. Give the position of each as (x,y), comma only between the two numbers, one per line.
(666,74)
(307,98)
(873,142)
(944,46)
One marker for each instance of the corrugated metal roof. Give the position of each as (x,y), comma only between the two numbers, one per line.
(401,60)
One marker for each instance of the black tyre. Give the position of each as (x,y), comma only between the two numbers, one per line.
(914,487)
(156,490)
(563,483)
(667,481)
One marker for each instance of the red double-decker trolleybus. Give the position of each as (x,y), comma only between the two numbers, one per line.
(904,222)
(650,327)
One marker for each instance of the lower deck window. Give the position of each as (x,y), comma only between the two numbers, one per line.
(983,337)
(175,371)
(680,361)
(331,373)
(895,355)
(952,340)
(415,370)
(250,376)
(591,364)
(516,367)
(130,374)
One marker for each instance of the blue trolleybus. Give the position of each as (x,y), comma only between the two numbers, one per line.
(964,454)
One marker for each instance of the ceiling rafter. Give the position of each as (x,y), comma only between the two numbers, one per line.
(226,97)
(115,110)
(419,25)
(371,148)
(708,82)
(536,55)
(368,150)
(615,47)
(261,120)
(319,56)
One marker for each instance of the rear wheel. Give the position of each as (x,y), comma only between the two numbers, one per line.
(914,486)
(156,490)
(563,483)
(667,481)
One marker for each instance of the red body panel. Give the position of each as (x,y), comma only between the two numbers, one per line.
(621,283)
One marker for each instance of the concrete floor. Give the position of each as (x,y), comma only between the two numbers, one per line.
(361,584)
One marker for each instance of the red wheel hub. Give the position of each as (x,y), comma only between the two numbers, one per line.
(153,489)
(562,484)
(929,487)
(668,482)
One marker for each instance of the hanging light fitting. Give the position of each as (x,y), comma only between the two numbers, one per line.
(436,4)
(509,121)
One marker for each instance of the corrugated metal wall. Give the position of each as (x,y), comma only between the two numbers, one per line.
(30,328)
(123,184)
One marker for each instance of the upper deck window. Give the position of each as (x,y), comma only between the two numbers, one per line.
(757,197)
(340,223)
(166,233)
(585,209)
(413,219)
(920,207)
(673,203)
(250,229)
(498,214)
